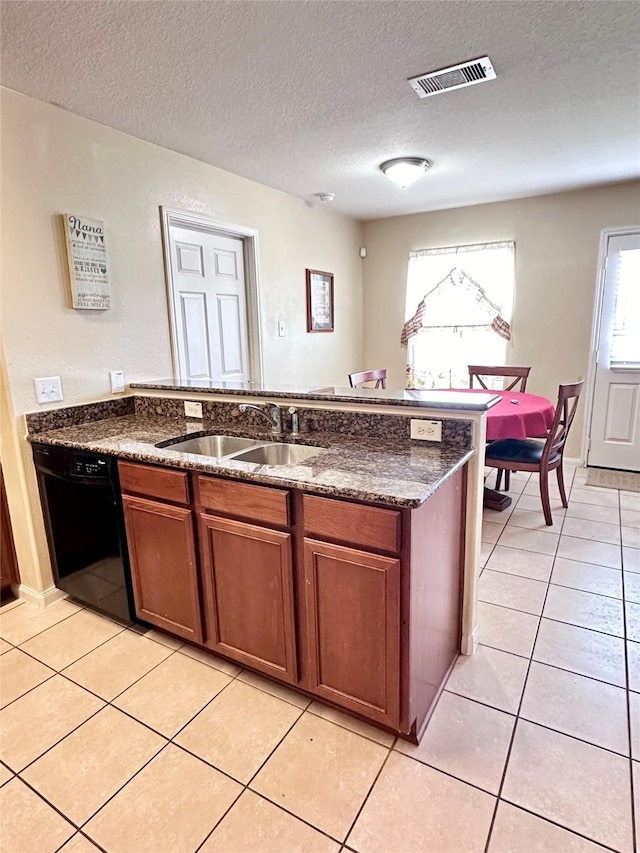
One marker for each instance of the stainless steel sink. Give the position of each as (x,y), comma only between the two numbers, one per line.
(213,445)
(278,454)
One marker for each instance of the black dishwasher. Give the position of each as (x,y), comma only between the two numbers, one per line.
(80,497)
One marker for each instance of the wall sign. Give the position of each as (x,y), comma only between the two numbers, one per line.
(87,257)
(319,301)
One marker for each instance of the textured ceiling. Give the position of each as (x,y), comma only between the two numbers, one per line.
(310,97)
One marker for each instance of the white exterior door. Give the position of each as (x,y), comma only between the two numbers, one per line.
(209,304)
(615,420)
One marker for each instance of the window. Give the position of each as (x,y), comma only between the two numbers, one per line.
(625,334)
(458,308)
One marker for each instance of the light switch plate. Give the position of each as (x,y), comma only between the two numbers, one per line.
(426,430)
(281,328)
(48,389)
(117,381)
(192,410)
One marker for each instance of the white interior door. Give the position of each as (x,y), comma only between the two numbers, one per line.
(209,303)
(615,420)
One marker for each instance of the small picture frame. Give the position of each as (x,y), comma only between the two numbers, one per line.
(319,301)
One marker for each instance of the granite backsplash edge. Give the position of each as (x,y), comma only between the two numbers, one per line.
(455,432)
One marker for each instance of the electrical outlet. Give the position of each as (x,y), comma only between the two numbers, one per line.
(48,389)
(117,381)
(426,430)
(281,328)
(192,410)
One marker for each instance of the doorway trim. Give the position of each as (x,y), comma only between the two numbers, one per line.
(605,234)
(185,219)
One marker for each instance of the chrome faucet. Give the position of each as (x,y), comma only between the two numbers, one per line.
(271,412)
(295,421)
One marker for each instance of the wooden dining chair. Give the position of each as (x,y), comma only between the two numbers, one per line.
(356,380)
(529,454)
(518,374)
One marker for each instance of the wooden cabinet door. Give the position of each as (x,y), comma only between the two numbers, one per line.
(163,566)
(250,601)
(353,619)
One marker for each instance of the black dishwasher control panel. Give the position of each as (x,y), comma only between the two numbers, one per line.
(89,466)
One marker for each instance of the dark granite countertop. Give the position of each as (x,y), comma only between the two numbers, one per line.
(397,473)
(475,400)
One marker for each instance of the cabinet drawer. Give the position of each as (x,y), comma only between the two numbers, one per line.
(162,483)
(358,524)
(258,503)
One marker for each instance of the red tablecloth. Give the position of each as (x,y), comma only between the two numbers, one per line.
(530,417)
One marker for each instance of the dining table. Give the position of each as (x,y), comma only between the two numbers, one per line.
(517,415)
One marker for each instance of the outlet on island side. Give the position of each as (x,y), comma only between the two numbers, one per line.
(192,409)
(426,430)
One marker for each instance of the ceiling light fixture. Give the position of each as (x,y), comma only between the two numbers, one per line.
(405,170)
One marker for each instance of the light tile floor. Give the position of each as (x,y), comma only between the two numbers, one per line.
(112,739)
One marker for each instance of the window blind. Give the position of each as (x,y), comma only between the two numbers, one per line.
(625,336)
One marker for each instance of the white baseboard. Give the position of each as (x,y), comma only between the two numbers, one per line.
(469,643)
(40,599)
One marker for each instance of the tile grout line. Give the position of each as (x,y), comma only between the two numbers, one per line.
(115,794)
(106,704)
(55,808)
(368,794)
(561,621)
(302,712)
(560,826)
(448,773)
(62,672)
(634,838)
(553,665)
(587,742)
(553,583)
(171,740)
(55,624)
(64,737)
(574,737)
(573,624)
(518,716)
(172,652)
(168,742)
(82,835)
(515,727)
(245,786)
(84,655)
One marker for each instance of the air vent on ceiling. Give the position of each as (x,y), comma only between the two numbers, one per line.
(455,77)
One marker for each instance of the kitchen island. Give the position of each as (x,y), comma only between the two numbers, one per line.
(344,574)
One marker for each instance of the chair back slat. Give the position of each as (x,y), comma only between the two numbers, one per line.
(568,399)
(378,376)
(519,375)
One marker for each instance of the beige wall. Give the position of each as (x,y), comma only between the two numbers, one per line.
(54,162)
(557,241)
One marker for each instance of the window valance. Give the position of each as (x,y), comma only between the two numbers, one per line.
(484,308)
